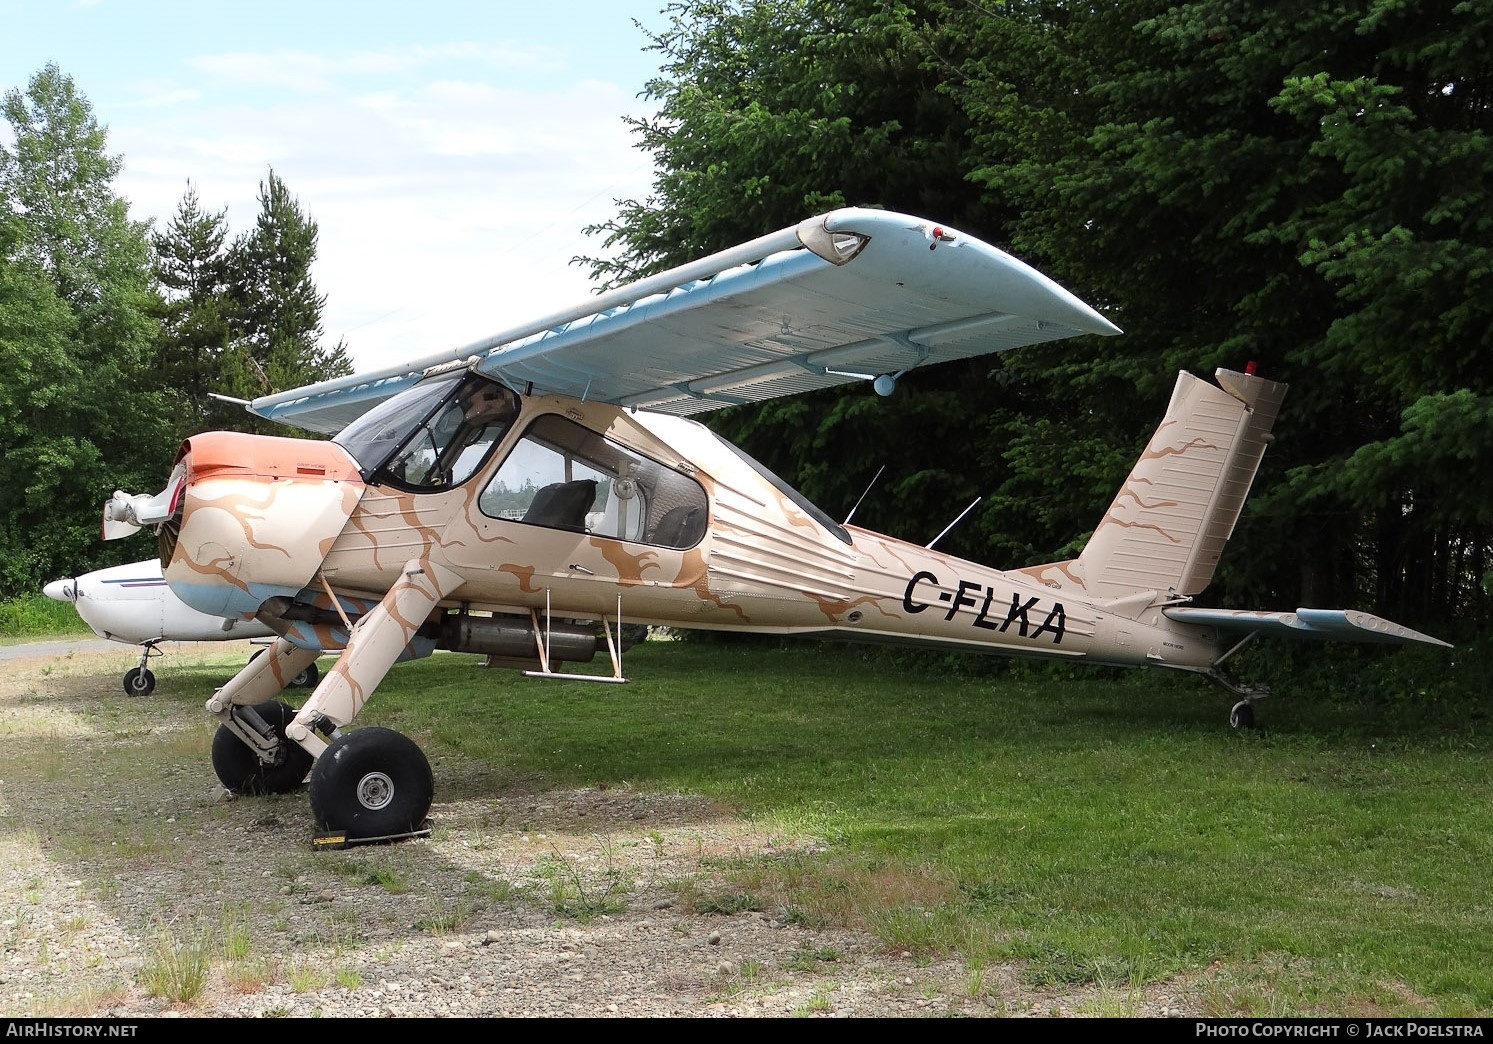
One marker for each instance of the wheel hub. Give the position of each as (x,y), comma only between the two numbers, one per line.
(375,790)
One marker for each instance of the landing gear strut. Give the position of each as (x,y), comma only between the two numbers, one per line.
(240,767)
(139,681)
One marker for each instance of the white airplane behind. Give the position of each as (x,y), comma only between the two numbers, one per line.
(131,604)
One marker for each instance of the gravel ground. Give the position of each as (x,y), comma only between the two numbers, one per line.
(132,886)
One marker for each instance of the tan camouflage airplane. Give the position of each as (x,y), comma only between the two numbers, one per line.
(527,496)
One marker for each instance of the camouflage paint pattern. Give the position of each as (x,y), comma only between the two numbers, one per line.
(266,521)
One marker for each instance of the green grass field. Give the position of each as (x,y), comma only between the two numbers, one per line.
(1096,826)
(1092,824)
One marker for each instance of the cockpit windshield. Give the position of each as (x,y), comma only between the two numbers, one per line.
(433,436)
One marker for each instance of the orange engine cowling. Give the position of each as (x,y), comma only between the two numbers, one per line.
(255,517)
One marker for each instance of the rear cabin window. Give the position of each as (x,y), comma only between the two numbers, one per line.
(561,475)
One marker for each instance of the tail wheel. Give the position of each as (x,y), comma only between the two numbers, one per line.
(239,768)
(138,681)
(372,783)
(1242,716)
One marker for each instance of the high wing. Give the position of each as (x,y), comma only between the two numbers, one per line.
(854,294)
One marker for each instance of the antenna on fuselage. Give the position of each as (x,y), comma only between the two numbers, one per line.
(863,495)
(954,523)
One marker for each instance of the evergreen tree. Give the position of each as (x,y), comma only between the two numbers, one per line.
(191,265)
(275,320)
(1304,186)
(771,112)
(81,412)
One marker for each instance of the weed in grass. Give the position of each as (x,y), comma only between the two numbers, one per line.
(305,976)
(174,970)
(493,889)
(572,895)
(804,919)
(349,978)
(85,1000)
(387,878)
(1109,1003)
(443,919)
(252,976)
(234,924)
(818,1003)
(809,960)
(728,904)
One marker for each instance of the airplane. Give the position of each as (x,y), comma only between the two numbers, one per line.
(525,495)
(132,604)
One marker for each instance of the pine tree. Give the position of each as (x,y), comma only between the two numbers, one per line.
(191,265)
(275,322)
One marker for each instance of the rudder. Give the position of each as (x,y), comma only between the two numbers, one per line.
(1166,528)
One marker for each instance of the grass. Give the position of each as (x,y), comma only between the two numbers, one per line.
(175,970)
(35,616)
(1094,827)
(1103,828)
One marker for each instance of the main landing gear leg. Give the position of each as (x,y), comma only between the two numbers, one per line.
(250,752)
(371,784)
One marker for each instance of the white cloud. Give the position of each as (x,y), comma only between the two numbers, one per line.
(449,207)
(450,152)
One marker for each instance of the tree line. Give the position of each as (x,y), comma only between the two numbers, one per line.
(1302,186)
(114,335)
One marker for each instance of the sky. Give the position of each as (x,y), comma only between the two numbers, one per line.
(450,153)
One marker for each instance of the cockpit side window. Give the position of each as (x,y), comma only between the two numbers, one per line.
(563,476)
(434,436)
(373,437)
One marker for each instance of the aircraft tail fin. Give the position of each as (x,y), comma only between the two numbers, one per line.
(1166,528)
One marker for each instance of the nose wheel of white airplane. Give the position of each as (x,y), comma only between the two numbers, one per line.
(371,784)
(239,767)
(138,681)
(1242,715)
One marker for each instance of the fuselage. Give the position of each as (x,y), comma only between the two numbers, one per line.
(133,604)
(588,511)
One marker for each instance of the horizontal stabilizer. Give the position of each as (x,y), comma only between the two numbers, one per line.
(1328,625)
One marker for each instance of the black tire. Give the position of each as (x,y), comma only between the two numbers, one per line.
(1242,716)
(307,679)
(239,768)
(372,783)
(138,681)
